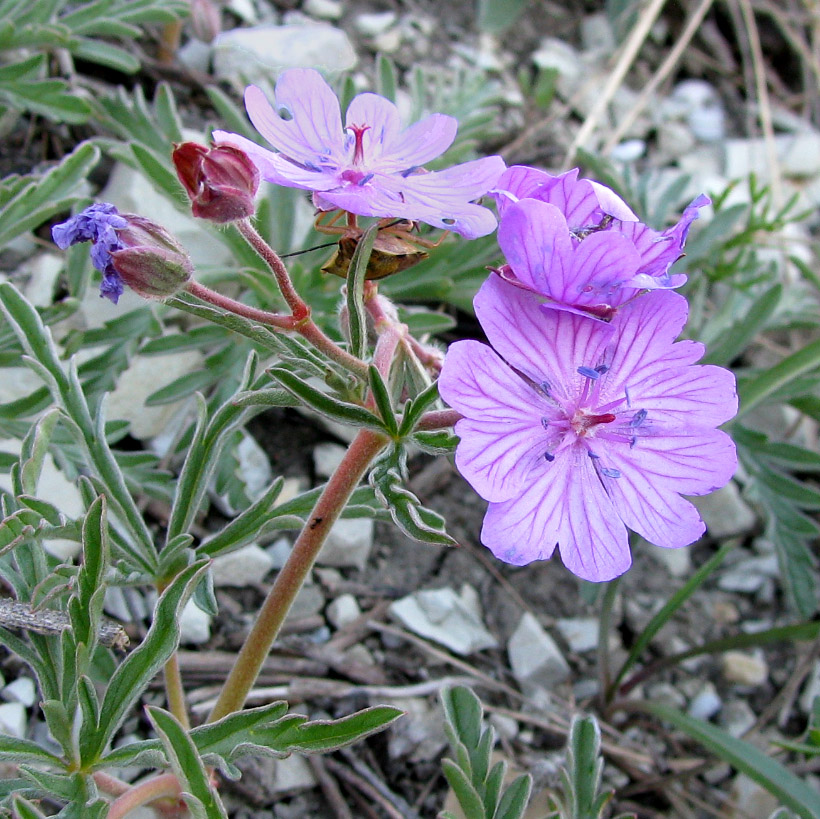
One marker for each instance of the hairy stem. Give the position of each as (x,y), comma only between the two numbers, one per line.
(175,692)
(276,320)
(163,786)
(329,506)
(438,419)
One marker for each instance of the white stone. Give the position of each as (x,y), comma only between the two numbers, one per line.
(749,575)
(750,799)
(259,54)
(506,727)
(705,704)
(42,272)
(666,694)
(597,34)
(419,735)
(125,604)
(745,669)
(195,56)
(308,602)
(798,156)
(17,382)
(326,457)
(708,124)
(388,42)
(13,719)
(629,150)
(293,773)
(194,624)
(343,610)
(725,513)
(811,689)
(22,690)
(535,658)
(737,717)
(279,552)
(244,567)
(131,192)
(580,633)
(55,488)
(678,562)
(370,25)
(144,376)
(324,9)
(348,544)
(446,617)
(254,466)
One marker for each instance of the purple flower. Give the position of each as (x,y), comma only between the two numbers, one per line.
(98,224)
(575,430)
(127,249)
(369,166)
(538,241)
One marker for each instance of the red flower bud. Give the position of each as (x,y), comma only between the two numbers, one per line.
(205,20)
(221,181)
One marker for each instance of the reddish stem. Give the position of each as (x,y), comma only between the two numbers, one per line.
(366,445)
(276,320)
(438,419)
(164,786)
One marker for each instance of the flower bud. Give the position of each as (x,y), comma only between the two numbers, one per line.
(205,20)
(150,260)
(221,181)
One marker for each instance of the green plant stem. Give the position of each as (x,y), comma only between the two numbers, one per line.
(175,691)
(604,629)
(163,786)
(366,445)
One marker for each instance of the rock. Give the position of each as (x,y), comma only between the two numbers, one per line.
(144,376)
(629,150)
(705,704)
(244,567)
(308,602)
(506,727)
(675,139)
(42,271)
(811,689)
(279,552)
(580,633)
(597,34)
(798,156)
(254,466)
(745,669)
(419,735)
(131,192)
(324,9)
(195,56)
(194,624)
(126,604)
(292,774)
(17,382)
(388,42)
(678,562)
(326,457)
(22,690)
(371,25)
(737,717)
(750,799)
(259,54)
(725,513)
(666,694)
(747,576)
(13,719)
(343,610)
(699,104)
(55,488)
(348,544)
(534,656)
(446,617)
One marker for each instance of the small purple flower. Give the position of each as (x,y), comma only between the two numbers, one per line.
(575,430)
(98,224)
(369,166)
(128,250)
(591,212)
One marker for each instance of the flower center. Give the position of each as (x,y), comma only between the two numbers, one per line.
(358,146)
(583,424)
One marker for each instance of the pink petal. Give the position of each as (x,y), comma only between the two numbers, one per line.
(383,120)
(422,141)
(519,182)
(314,131)
(535,240)
(656,470)
(544,345)
(565,506)
(441,199)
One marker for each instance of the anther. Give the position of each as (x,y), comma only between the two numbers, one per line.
(588,372)
(638,418)
(609,472)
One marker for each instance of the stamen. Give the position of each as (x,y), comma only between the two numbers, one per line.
(593,455)
(545,422)
(638,418)
(409,170)
(626,393)
(365,179)
(549,457)
(544,386)
(609,472)
(588,372)
(602,368)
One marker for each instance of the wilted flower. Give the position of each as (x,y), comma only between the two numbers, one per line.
(576,242)
(127,249)
(369,166)
(221,181)
(575,430)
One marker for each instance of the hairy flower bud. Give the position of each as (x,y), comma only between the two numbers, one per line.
(151,262)
(205,20)
(221,181)
(127,249)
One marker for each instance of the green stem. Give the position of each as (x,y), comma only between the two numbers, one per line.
(329,506)
(604,629)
